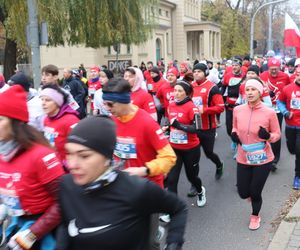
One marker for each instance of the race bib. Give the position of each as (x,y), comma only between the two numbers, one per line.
(178,137)
(295,103)
(12,201)
(198,101)
(125,148)
(50,135)
(150,86)
(256,157)
(234,81)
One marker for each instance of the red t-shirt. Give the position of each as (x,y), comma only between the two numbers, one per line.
(275,84)
(56,131)
(184,114)
(231,81)
(290,95)
(143,100)
(138,141)
(148,77)
(92,88)
(166,95)
(207,95)
(292,78)
(23,180)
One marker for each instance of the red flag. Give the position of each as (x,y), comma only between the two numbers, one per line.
(291,34)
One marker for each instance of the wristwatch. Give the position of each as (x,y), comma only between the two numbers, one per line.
(147,170)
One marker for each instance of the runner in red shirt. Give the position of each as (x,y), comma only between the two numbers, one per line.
(29,173)
(60,118)
(209,101)
(165,93)
(93,84)
(140,97)
(141,144)
(185,142)
(289,105)
(147,76)
(275,80)
(230,90)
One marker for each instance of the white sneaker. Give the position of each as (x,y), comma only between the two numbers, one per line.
(165,218)
(201,199)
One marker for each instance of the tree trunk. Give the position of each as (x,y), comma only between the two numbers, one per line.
(10,58)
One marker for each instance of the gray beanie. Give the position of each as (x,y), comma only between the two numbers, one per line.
(97,133)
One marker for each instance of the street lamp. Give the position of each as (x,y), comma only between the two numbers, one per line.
(252,23)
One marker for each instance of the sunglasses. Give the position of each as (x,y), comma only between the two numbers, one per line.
(109,104)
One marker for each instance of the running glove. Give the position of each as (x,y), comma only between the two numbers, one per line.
(235,138)
(263,133)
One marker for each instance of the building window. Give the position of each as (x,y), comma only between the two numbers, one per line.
(167,13)
(159,12)
(109,50)
(128,49)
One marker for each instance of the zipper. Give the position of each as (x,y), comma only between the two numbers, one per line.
(248,131)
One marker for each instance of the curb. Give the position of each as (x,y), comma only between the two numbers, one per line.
(286,228)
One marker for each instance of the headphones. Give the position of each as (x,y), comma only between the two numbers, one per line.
(206,72)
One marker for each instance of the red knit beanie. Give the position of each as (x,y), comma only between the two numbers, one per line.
(13,103)
(173,71)
(273,62)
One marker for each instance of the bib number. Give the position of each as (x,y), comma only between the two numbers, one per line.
(295,103)
(12,201)
(178,137)
(256,157)
(126,148)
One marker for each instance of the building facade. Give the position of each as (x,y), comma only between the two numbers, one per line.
(180,34)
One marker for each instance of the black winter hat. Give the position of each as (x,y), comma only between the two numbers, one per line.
(108,73)
(291,62)
(21,79)
(155,70)
(254,68)
(97,133)
(202,67)
(186,86)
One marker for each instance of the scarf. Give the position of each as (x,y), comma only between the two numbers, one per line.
(8,149)
(185,100)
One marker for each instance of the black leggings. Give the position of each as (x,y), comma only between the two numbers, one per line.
(229,120)
(293,145)
(276,146)
(250,183)
(207,142)
(190,158)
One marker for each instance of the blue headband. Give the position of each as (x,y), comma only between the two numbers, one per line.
(117,97)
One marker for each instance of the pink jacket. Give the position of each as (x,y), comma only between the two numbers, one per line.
(246,122)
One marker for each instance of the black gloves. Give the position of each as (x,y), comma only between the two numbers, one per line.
(263,133)
(173,246)
(235,138)
(175,124)
(271,93)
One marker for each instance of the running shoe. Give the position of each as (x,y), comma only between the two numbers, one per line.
(165,218)
(193,192)
(254,222)
(201,199)
(219,171)
(296,184)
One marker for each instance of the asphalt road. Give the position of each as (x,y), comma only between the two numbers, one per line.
(223,222)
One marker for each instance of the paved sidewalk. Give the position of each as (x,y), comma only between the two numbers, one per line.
(287,236)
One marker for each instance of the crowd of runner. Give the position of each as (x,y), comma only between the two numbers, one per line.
(113,147)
